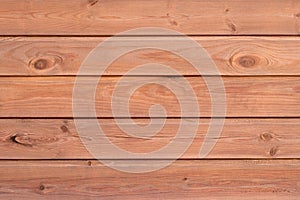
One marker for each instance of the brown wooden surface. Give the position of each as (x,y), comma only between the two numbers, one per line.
(255,46)
(246,97)
(201,17)
(194,179)
(59,139)
(232,55)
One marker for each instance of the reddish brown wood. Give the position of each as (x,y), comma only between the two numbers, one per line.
(202,17)
(246,96)
(232,56)
(208,179)
(59,139)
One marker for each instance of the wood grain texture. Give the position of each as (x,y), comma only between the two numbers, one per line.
(255,46)
(245,97)
(232,55)
(93,17)
(59,139)
(215,179)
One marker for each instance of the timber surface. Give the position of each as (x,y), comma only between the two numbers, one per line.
(245,96)
(255,46)
(240,138)
(197,17)
(189,179)
(232,56)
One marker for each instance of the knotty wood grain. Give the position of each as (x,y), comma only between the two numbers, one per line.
(95,17)
(232,55)
(209,179)
(59,139)
(234,32)
(246,96)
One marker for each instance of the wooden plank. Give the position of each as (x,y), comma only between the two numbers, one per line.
(59,139)
(93,17)
(232,55)
(245,96)
(195,179)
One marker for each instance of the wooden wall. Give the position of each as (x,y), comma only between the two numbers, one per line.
(255,45)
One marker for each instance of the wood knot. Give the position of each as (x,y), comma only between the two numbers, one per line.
(171,20)
(18,139)
(29,140)
(42,187)
(185,179)
(41,64)
(266,136)
(273,151)
(92,2)
(89,163)
(45,64)
(64,128)
(231,26)
(247,61)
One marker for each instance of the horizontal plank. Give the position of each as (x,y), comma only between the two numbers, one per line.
(208,179)
(93,17)
(245,97)
(232,56)
(59,139)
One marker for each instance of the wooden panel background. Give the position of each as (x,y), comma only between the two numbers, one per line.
(208,179)
(38,56)
(255,46)
(241,138)
(95,17)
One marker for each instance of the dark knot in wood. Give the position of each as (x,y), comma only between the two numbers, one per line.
(247,61)
(40,64)
(266,136)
